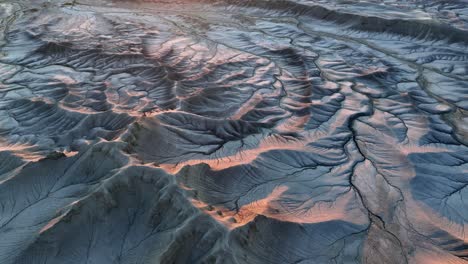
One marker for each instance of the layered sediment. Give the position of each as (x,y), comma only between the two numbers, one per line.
(233,131)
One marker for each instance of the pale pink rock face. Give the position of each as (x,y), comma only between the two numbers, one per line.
(228,131)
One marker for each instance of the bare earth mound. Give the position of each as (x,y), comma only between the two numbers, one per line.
(233,131)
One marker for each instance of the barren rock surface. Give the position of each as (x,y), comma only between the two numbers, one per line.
(198,131)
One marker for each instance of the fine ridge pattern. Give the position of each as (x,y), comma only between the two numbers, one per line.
(228,131)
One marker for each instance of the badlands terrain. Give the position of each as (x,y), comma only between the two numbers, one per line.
(204,131)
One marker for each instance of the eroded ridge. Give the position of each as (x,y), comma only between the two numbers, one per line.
(233,132)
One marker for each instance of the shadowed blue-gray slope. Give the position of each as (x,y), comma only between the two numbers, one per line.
(233,131)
